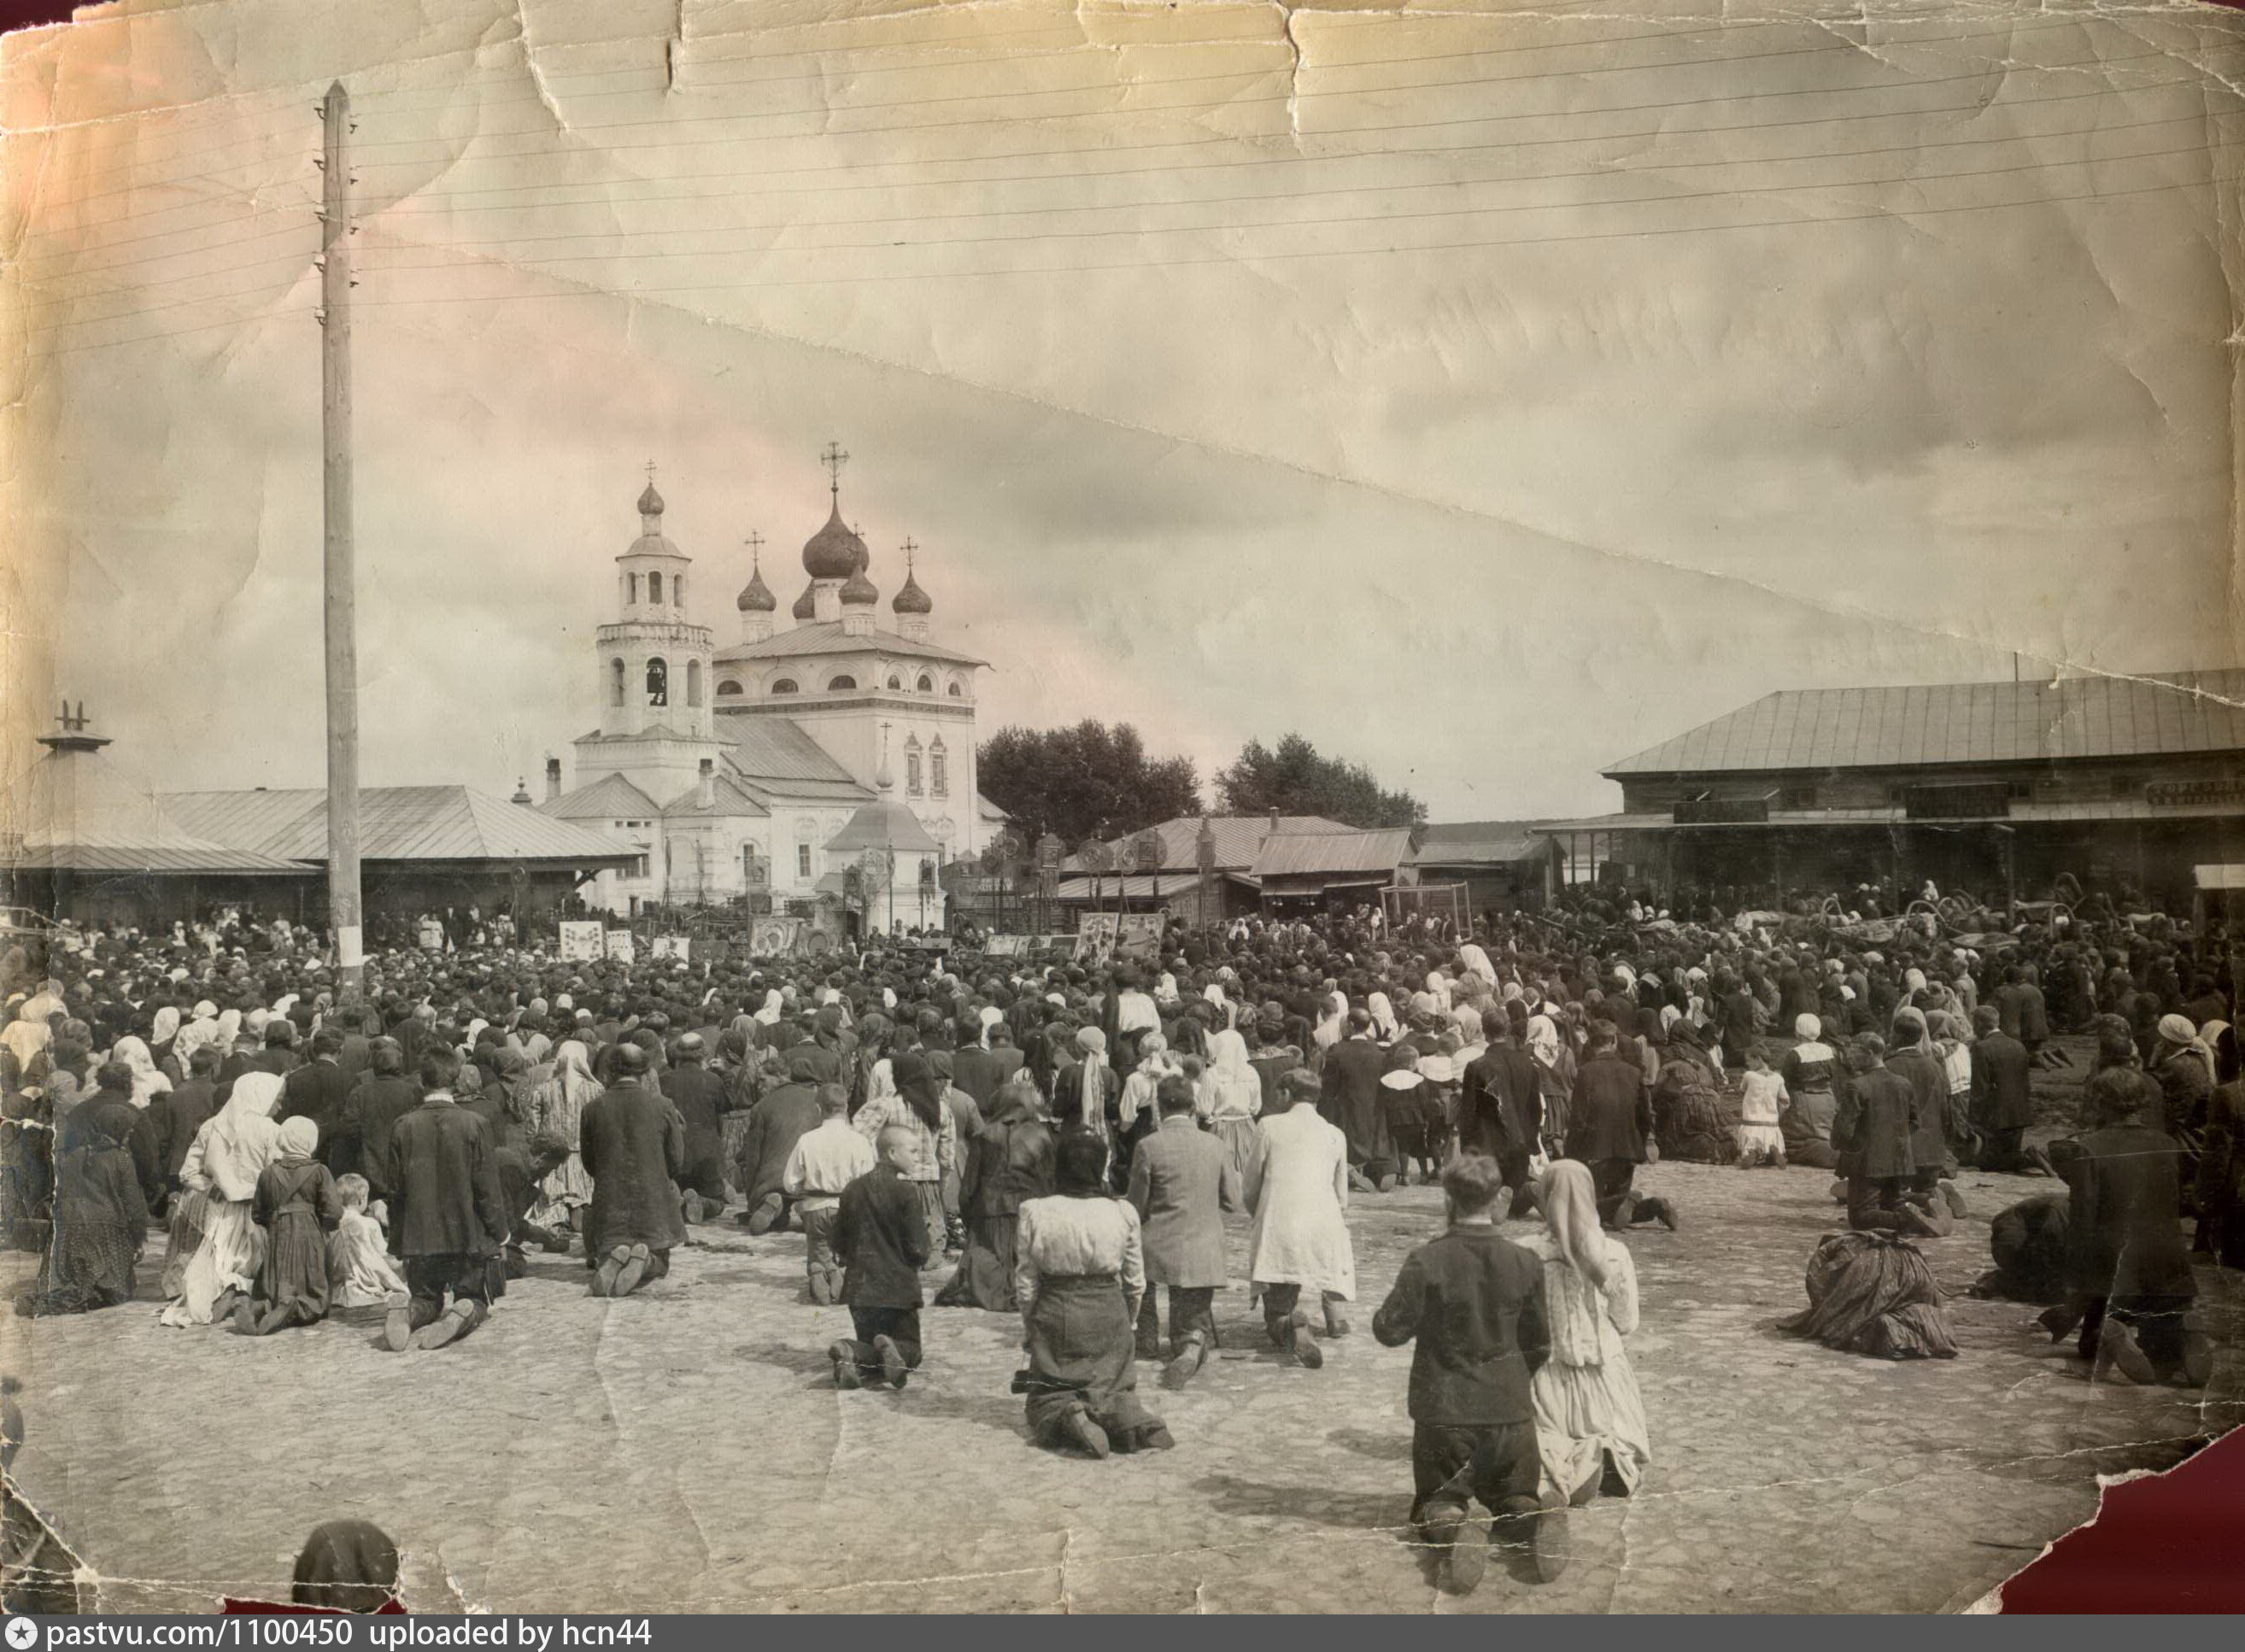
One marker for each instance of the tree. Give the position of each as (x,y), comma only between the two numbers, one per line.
(1295,779)
(1092,780)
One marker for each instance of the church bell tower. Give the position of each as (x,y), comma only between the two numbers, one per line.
(654,661)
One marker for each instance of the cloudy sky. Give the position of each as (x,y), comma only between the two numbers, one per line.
(1486,398)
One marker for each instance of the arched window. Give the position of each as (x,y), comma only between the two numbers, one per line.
(694,682)
(754,873)
(912,765)
(631,587)
(654,587)
(727,685)
(939,777)
(785,685)
(895,683)
(658,681)
(927,683)
(615,682)
(841,685)
(957,692)
(677,590)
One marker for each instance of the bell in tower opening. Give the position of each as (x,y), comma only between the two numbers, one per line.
(658,682)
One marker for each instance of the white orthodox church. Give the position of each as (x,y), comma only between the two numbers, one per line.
(775,765)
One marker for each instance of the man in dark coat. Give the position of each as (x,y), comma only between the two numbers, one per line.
(1500,1108)
(973,1069)
(382,1097)
(2003,1101)
(633,1144)
(447,1215)
(776,1124)
(1913,1061)
(1873,1130)
(1609,1115)
(318,1091)
(1182,1182)
(880,1233)
(1351,1101)
(2128,1273)
(699,1095)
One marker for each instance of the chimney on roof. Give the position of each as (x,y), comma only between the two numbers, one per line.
(1274,822)
(553,778)
(705,786)
(521,792)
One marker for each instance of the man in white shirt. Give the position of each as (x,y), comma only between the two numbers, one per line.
(823,1161)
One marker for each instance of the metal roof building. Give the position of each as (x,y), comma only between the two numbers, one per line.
(1993,787)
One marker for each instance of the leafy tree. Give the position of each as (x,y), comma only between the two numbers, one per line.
(1295,779)
(1094,780)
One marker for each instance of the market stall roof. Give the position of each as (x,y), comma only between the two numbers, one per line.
(1823,730)
(417,824)
(1134,886)
(1480,843)
(1239,838)
(1358,855)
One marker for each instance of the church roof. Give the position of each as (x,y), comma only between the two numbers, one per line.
(729,797)
(806,605)
(827,637)
(77,811)
(610,797)
(857,591)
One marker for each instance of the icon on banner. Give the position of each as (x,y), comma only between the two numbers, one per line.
(22,1634)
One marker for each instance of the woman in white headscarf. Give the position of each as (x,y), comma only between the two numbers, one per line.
(162,1034)
(769,1012)
(147,1082)
(556,1107)
(1154,1064)
(219,1174)
(1384,1026)
(201,1029)
(1232,1097)
(1590,1418)
(1333,1025)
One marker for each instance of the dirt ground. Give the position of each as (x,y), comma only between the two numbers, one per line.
(684,1449)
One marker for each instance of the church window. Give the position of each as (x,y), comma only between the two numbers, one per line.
(895,683)
(938,778)
(631,587)
(615,682)
(803,860)
(677,590)
(727,685)
(841,685)
(694,682)
(957,692)
(658,681)
(752,873)
(927,683)
(785,685)
(654,587)
(926,872)
(912,765)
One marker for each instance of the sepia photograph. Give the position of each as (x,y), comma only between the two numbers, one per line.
(1115,806)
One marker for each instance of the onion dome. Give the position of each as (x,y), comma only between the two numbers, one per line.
(858,592)
(834,552)
(805,608)
(650,542)
(756,595)
(911,599)
(650,503)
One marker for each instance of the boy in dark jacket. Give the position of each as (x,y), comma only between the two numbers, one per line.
(880,1233)
(1475,1301)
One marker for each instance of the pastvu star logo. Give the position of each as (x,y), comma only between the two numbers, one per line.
(22,1634)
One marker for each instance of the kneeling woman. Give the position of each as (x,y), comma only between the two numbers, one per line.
(1590,1420)
(1079,1271)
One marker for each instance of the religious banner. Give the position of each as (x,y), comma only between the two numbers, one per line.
(775,937)
(621,946)
(430,934)
(677,946)
(1129,935)
(581,939)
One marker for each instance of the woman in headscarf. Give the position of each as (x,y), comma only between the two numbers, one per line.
(1809,1070)
(1591,1430)
(1232,1097)
(1555,1077)
(557,1107)
(917,1107)
(147,1082)
(100,1218)
(1135,1112)
(296,1203)
(2184,1070)
(1080,1277)
(227,1156)
(163,1034)
(1008,1161)
(1385,1027)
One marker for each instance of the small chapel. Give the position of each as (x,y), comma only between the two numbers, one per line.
(774,766)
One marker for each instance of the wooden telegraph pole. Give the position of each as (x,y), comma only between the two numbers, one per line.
(341,622)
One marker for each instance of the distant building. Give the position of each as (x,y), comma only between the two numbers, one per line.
(1505,865)
(1160,866)
(743,771)
(1985,788)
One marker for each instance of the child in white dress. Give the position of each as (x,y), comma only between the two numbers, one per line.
(1764,1097)
(360,1272)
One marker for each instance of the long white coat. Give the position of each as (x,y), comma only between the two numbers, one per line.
(1298,1187)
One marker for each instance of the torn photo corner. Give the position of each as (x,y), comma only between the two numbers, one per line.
(1041,711)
